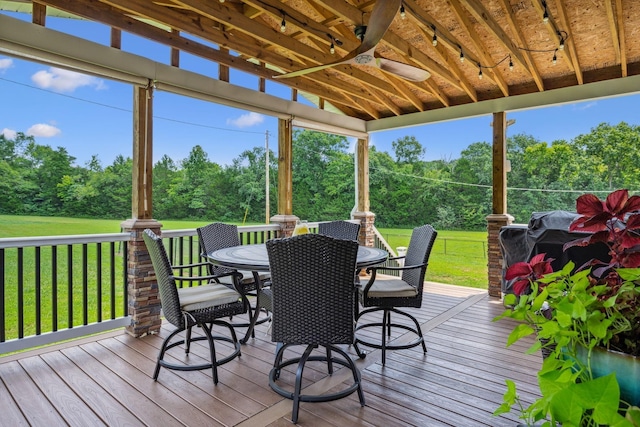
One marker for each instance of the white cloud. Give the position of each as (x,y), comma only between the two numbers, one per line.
(9,133)
(5,64)
(43,130)
(65,81)
(246,120)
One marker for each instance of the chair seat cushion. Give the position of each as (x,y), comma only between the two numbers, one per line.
(247,277)
(391,287)
(199,297)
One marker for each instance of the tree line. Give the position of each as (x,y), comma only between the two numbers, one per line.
(405,190)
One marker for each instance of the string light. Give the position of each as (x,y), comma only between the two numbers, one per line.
(480,72)
(510,64)
(402,12)
(545,14)
(461,55)
(562,35)
(283,24)
(332,48)
(434,41)
(555,58)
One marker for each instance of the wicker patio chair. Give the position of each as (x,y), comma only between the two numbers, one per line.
(201,306)
(313,305)
(219,236)
(387,293)
(339,229)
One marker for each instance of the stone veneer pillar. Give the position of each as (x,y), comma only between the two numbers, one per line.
(142,287)
(366,236)
(286,222)
(495,262)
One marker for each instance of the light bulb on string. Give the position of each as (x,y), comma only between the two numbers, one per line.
(461,56)
(480,72)
(510,64)
(555,59)
(545,13)
(402,12)
(332,49)
(283,25)
(434,41)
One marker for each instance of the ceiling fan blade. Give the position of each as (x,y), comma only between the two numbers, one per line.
(381,17)
(407,72)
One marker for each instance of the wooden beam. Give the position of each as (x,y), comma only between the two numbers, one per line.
(499,162)
(362,178)
(142,204)
(285,167)
(39,14)
(116,38)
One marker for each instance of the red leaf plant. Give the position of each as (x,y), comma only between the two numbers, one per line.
(528,272)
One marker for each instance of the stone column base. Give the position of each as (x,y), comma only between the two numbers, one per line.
(495,261)
(286,222)
(367,219)
(142,287)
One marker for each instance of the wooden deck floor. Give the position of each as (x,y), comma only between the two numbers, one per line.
(106,379)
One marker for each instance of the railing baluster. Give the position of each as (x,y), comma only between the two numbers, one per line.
(85,285)
(38,293)
(99,282)
(20,293)
(112,278)
(54,288)
(69,286)
(125,281)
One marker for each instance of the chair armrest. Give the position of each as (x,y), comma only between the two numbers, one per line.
(185,266)
(373,271)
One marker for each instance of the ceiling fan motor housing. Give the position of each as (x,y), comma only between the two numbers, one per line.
(360,30)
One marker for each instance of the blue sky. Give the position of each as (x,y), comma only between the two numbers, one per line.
(91,116)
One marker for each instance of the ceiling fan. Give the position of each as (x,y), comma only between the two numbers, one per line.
(381,17)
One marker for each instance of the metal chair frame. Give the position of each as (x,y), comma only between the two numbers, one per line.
(204,317)
(313,305)
(413,272)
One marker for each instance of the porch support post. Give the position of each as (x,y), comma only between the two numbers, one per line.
(499,216)
(142,287)
(285,217)
(362,212)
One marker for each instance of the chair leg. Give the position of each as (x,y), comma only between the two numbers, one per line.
(385,325)
(329,361)
(212,351)
(298,386)
(187,341)
(163,349)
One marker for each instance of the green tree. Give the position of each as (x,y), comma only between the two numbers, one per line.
(407,150)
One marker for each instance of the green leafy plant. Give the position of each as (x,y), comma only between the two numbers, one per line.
(575,311)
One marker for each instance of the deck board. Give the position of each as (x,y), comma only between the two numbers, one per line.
(107,379)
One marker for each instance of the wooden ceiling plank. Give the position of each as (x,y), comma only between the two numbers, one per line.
(484,18)
(402,88)
(521,41)
(615,19)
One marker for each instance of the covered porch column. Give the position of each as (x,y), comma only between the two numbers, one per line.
(285,217)
(499,216)
(362,212)
(142,287)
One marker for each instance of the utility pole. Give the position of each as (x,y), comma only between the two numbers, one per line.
(266,179)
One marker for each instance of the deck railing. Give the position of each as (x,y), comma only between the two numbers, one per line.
(63,287)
